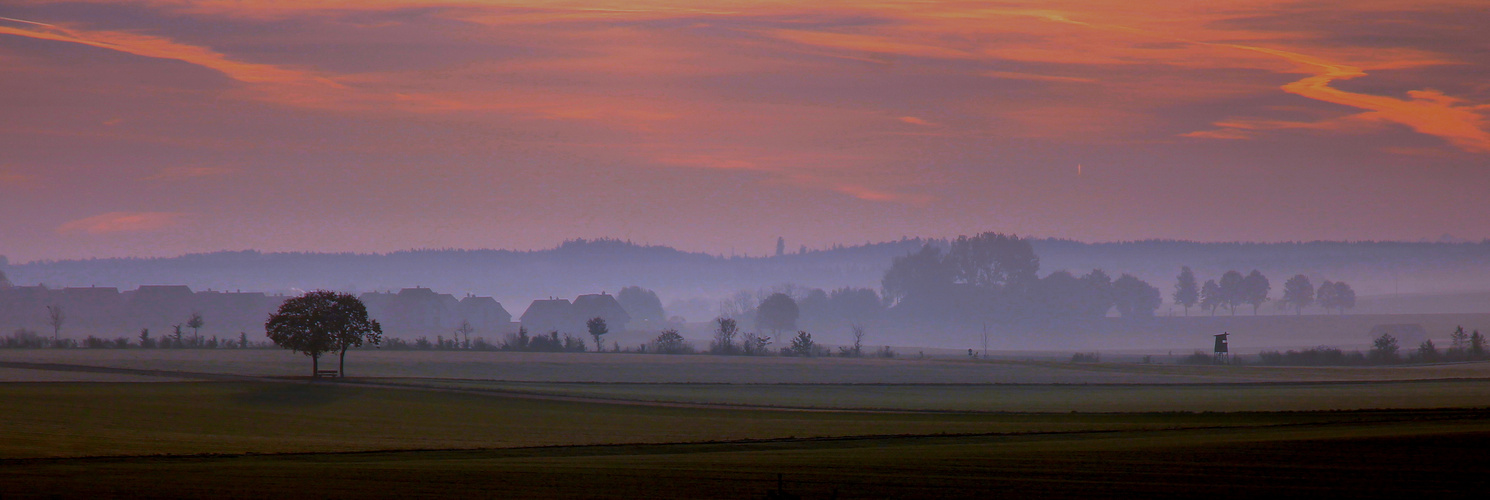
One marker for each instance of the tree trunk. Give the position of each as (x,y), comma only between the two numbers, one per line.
(341,366)
(315,366)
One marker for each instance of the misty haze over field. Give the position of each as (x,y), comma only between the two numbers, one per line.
(1441,278)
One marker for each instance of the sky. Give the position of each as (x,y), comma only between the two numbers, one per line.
(156,128)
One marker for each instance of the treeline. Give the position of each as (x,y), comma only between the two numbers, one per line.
(1385,350)
(729,340)
(583,265)
(995,277)
(23,338)
(1233,289)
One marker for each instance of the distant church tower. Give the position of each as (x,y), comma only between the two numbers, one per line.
(780,246)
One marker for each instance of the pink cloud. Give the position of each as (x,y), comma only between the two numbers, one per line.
(121,222)
(182,173)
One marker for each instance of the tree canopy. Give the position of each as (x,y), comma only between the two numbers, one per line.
(1255,288)
(642,304)
(1298,293)
(322,321)
(597,328)
(778,312)
(1186,290)
(1135,298)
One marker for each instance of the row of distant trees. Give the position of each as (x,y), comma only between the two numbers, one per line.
(1385,349)
(994,276)
(23,338)
(1233,289)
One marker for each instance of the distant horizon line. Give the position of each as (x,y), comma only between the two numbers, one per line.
(1446,240)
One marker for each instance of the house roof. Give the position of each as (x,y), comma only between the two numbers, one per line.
(546,309)
(602,305)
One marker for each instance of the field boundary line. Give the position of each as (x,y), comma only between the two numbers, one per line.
(760,444)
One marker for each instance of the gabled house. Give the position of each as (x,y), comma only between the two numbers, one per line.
(548,315)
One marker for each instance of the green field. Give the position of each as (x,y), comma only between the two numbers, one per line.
(81,424)
(1254,397)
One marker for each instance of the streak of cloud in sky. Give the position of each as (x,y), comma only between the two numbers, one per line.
(156,128)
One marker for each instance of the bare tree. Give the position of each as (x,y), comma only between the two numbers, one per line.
(56,318)
(724,336)
(858,348)
(465,332)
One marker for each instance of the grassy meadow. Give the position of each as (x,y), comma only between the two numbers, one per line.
(249,424)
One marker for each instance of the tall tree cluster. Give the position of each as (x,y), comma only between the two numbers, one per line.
(995,276)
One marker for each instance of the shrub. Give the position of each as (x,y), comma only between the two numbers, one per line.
(884,352)
(670,342)
(1317,356)
(752,344)
(1384,349)
(24,339)
(1201,358)
(802,345)
(1086,357)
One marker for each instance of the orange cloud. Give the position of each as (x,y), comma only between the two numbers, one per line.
(1031,76)
(181,173)
(869,43)
(121,222)
(877,195)
(1428,112)
(269,82)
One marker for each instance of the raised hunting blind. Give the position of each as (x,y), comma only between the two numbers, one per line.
(1222,347)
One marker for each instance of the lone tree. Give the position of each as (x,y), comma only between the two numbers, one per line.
(1298,293)
(777,313)
(322,321)
(195,323)
(597,328)
(1186,290)
(55,318)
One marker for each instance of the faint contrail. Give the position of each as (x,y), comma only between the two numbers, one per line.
(27,22)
